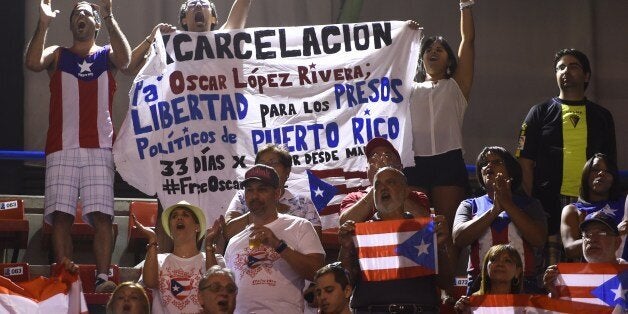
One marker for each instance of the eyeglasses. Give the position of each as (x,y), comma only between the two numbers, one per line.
(494,162)
(571,66)
(382,156)
(193,3)
(216,287)
(591,234)
(271,162)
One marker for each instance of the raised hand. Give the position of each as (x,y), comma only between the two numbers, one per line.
(105,7)
(502,191)
(146,231)
(462,306)
(413,24)
(215,231)
(549,277)
(46,13)
(345,234)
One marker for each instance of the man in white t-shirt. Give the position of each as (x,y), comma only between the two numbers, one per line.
(274,255)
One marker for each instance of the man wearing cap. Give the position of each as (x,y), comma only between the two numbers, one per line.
(400,295)
(600,240)
(174,277)
(273,255)
(359,206)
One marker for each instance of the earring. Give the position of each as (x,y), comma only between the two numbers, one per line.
(515,281)
(448,71)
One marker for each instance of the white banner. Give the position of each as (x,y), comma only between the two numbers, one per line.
(205,103)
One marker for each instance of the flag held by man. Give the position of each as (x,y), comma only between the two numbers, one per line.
(596,283)
(396,249)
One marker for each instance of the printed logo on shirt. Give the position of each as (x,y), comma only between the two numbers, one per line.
(251,262)
(180,287)
(573,118)
(85,67)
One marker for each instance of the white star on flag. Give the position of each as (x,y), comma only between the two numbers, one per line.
(608,210)
(423,247)
(85,66)
(619,292)
(318,192)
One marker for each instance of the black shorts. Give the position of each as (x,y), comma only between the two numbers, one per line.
(446,169)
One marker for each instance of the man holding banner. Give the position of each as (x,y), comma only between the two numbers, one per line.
(194,16)
(396,262)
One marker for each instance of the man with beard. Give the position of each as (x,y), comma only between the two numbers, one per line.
(600,241)
(194,16)
(273,255)
(556,139)
(80,134)
(359,206)
(409,295)
(217,291)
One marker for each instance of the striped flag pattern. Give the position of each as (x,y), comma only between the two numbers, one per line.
(595,283)
(527,303)
(345,182)
(396,249)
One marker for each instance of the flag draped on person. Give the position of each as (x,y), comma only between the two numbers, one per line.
(59,294)
(205,103)
(595,283)
(527,303)
(396,249)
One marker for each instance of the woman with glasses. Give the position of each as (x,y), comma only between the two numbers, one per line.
(502,273)
(217,291)
(174,277)
(278,158)
(503,215)
(600,190)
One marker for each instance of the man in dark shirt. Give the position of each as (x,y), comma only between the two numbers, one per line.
(556,139)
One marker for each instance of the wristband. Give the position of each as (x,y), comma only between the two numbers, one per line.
(147,40)
(281,247)
(464,5)
(111,15)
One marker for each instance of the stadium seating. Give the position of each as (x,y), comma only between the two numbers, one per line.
(14,226)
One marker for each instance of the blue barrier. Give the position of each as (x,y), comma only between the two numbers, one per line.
(31,155)
(21,154)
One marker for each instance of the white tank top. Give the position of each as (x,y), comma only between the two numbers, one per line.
(437,111)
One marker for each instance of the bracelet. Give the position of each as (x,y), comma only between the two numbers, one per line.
(147,40)
(155,244)
(111,16)
(281,247)
(464,5)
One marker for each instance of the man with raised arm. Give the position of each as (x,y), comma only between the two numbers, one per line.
(80,131)
(194,16)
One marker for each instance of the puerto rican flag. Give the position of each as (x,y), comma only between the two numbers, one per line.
(327,189)
(528,303)
(396,249)
(60,294)
(595,283)
(180,287)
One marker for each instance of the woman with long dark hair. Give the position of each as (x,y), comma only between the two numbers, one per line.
(600,190)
